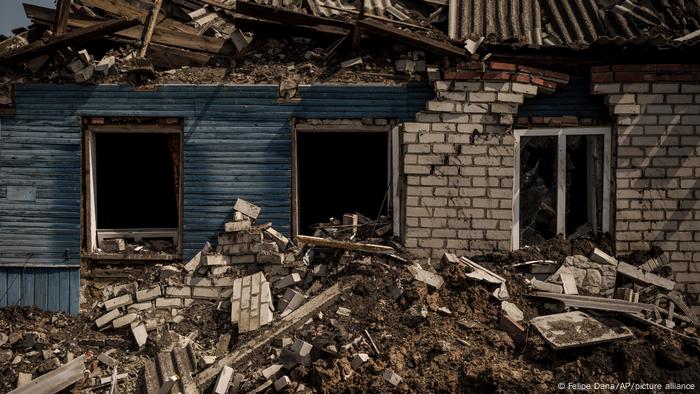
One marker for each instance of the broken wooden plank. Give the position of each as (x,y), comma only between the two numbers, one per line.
(62,14)
(277,14)
(56,380)
(331,243)
(597,303)
(411,38)
(126,10)
(150,27)
(206,377)
(637,274)
(161,35)
(74,37)
(575,329)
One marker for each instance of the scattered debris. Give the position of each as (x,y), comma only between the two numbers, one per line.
(573,329)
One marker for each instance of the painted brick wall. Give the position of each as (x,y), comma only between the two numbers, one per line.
(458,159)
(657,117)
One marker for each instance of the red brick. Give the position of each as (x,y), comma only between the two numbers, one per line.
(669,67)
(520,77)
(537,120)
(97,120)
(531,70)
(472,66)
(629,76)
(502,66)
(634,67)
(600,69)
(602,77)
(557,76)
(514,329)
(498,76)
(522,120)
(462,75)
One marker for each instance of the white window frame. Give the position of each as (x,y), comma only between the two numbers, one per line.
(561,134)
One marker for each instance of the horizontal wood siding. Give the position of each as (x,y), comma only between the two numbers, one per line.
(237,144)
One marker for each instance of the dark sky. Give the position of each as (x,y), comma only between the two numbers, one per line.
(12,13)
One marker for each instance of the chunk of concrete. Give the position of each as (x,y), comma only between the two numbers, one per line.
(282,383)
(106,318)
(391,377)
(278,238)
(603,258)
(358,360)
(289,280)
(272,370)
(512,310)
(427,277)
(105,65)
(291,300)
(222,383)
(124,320)
(148,294)
(85,74)
(140,334)
(237,225)
(215,260)
(23,378)
(301,348)
(246,208)
(118,302)
(546,286)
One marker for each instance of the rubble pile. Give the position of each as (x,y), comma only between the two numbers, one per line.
(199,41)
(332,312)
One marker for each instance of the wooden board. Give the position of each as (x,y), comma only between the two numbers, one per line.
(56,380)
(331,243)
(161,35)
(575,329)
(411,38)
(206,377)
(644,277)
(83,34)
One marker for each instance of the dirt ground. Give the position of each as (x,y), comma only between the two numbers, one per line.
(461,349)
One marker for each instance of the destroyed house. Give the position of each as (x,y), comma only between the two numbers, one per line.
(476,125)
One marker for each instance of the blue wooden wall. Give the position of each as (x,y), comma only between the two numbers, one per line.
(237,144)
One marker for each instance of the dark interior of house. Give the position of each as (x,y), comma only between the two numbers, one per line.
(136,183)
(341,172)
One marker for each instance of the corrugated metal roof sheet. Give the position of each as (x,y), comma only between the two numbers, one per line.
(500,20)
(578,23)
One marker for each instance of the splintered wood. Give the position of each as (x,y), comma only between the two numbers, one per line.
(251,302)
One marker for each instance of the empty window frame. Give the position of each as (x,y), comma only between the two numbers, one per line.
(339,169)
(562,183)
(133,189)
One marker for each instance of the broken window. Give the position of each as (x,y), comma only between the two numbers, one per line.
(132,190)
(562,183)
(340,172)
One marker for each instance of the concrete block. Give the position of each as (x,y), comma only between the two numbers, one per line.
(427,277)
(301,348)
(167,303)
(85,74)
(278,238)
(234,226)
(546,286)
(291,300)
(270,258)
(282,383)
(512,310)
(243,259)
(23,378)
(105,65)
(106,318)
(246,208)
(141,306)
(222,383)
(148,294)
(124,320)
(194,263)
(271,371)
(210,260)
(181,292)
(288,280)
(206,293)
(140,334)
(358,360)
(391,377)
(118,302)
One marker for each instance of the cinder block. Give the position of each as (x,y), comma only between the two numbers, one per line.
(148,294)
(247,208)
